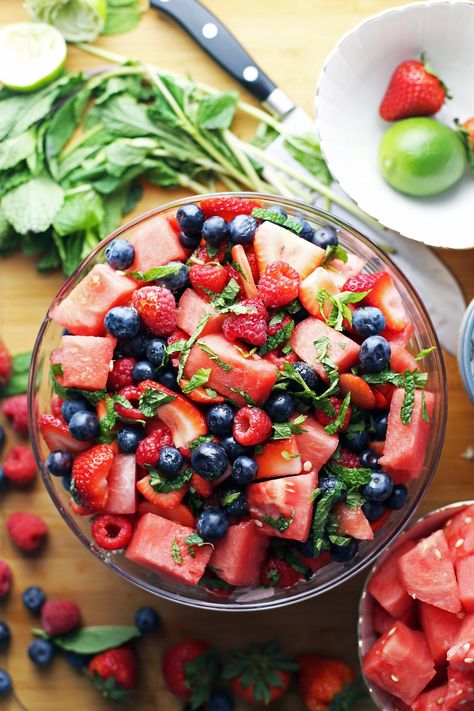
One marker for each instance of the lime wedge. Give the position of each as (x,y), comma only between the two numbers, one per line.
(31,55)
(77,20)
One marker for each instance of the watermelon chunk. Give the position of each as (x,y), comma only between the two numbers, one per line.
(382,621)
(238,557)
(273,243)
(345,270)
(401,360)
(85,361)
(83,310)
(460,691)
(385,585)
(459,532)
(191,309)
(122,497)
(343,352)
(465,577)
(287,500)
(427,573)
(255,376)
(440,629)
(352,522)
(159,544)
(400,663)
(405,445)
(461,654)
(432,700)
(399,339)
(155,243)
(315,445)
(279,458)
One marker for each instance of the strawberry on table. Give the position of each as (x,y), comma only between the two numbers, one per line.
(414,90)
(114,672)
(190,669)
(320,679)
(6,365)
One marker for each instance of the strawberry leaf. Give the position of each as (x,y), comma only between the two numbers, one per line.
(201,674)
(349,696)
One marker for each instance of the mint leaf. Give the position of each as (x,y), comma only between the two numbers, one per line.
(215,583)
(334,251)
(323,346)
(340,310)
(199,440)
(199,379)
(409,398)
(274,341)
(424,352)
(92,640)
(352,476)
(215,358)
(341,416)
(394,378)
(164,485)
(245,395)
(18,382)
(175,552)
(32,206)
(269,216)
(284,430)
(282,523)
(195,540)
(424,411)
(151,400)
(176,347)
(156,272)
(322,510)
(226,299)
(190,343)
(92,396)
(216,111)
(245,354)
(288,456)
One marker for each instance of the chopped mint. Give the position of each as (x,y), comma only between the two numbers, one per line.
(341,416)
(152,399)
(424,352)
(195,540)
(199,440)
(199,379)
(334,251)
(340,310)
(230,497)
(176,347)
(190,343)
(175,552)
(284,430)
(245,354)
(424,411)
(245,395)
(323,346)
(351,476)
(92,396)
(282,523)
(227,297)
(289,456)
(408,403)
(164,485)
(269,216)
(215,358)
(156,273)
(279,337)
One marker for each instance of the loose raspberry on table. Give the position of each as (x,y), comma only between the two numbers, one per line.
(325,419)
(157,308)
(251,426)
(121,374)
(6,366)
(208,277)
(26,530)
(148,450)
(20,465)
(348,459)
(6,578)
(250,327)
(278,284)
(112,532)
(16,409)
(60,616)
(277,573)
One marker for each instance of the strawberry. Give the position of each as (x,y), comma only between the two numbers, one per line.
(89,472)
(164,501)
(320,279)
(228,207)
(414,90)
(202,486)
(260,675)
(361,394)
(190,669)
(6,365)
(179,514)
(277,573)
(362,282)
(385,296)
(209,277)
(241,259)
(57,436)
(319,680)
(114,672)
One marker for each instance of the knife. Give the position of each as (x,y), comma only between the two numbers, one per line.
(436,285)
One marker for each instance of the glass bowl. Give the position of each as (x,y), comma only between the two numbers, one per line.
(332,574)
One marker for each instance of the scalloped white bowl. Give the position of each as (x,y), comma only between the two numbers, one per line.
(351,86)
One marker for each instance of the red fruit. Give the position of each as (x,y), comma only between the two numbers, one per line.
(60,616)
(177,335)
(202,255)
(272,330)
(273,243)
(362,282)
(278,284)
(253,262)
(164,501)
(351,521)
(26,530)
(251,426)
(85,361)
(5,579)
(16,409)
(414,90)
(208,277)
(5,365)
(56,405)
(348,459)
(132,394)
(325,420)
(177,665)
(320,679)
(251,326)
(148,450)
(239,555)
(228,207)
(79,509)
(247,280)
(277,573)
(280,361)
(114,672)
(156,242)
(57,436)
(260,675)
(121,374)
(385,296)
(157,308)
(20,465)
(90,471)
(201,395)
(361,394)
(202,486)
(469,127)
(111,532)
(280,457)
(179,514)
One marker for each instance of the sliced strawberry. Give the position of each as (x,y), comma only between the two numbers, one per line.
(90,471)
(375,525)
(179,514)
(200,395)
(386,389)
(386,297)
(228,207)
(273,243)
(202,486)
(279,458)
(57,436)
(362,282)
(78,509)
(56,405)
(319,279)
(361,394)
(381,402)
(164,501)
(240,258)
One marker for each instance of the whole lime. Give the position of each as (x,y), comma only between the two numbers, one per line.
(420,156)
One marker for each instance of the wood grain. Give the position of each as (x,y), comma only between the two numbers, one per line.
(306,31)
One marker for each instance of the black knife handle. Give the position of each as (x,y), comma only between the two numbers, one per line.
(219,43)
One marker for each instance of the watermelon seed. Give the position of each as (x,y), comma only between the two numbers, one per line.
(460,615)
(468,660)
(466,647)
(459,543)
(440,701)
(392,631)
(437,554)
(468,519)
(394,678)
(307,466)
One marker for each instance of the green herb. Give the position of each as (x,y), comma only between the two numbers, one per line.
(199,440)
(424,411)
(338,540)
(156,273)
(306,150)
(424,352)
(273,577)
(122,16)
(194,501)
(288,455)
(215,358)
(190,343)
(394,378)
(340,310)
(230,497)
(215,583)
(409,398)
(92,640)
(151,400)
(322,509)
(176,347)
(242,393)
(201,675)
(175,552)
(245,354)
(92,396)
(284,430)
(352,476)
(195,540)
(284,549)
(164,485)
(274,341)
(18,382)
(269,216)
(334,251)
(226,299)
(323,346)
(354,498)
(282,523)
(341,416)
(199,379)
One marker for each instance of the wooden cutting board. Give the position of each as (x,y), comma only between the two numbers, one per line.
(306,31)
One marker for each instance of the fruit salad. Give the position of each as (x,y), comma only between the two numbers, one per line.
(234,403)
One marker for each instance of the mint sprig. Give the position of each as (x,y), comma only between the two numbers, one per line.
(199,379)
(340,310)
(281,336)
(151,400)
(270,216)
(282,522)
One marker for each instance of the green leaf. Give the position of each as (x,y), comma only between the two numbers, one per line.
(284,430)
(199,379)
(190,343)
(288,456)
(33,205)
(306,150)
(352,476)
(62,125)
(409,398)
(282,523)
(340,310)
(79,211)
(322,509)
(120,20)
(217,110)
(334,251)
(201,674)
(227,297)
(92,640)
(215,358)
(92,396)
(323,346)
(175,552)
(151,400)
(215,583)
(268,215)
(249,400)
(394,378)
(340,418)
(424,352)
(199,440)
(18,382)
(347,699)
(277,339)
(164,485)
(14,150)
(195,540)
(424,411)
(123,116)
(156,273)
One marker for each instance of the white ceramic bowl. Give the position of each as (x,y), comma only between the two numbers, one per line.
(351,86)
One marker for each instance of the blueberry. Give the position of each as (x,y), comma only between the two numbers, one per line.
(41,652)
(156,351)
(3,479)
(398,497)
(190,219)
(369,458)
(135,346)
(122,322)
(342,554)
(373,510)
(368,321)
(128,438)
(242,229)
(234,501)
(212,524)
(379,488)
(147,619)
(84,426)
(189,241)
(167,377)
(232,448)
(143,370)
(70,407)
(221,701)
(170,461)
(244,470)
(78,661)
(329,482)
(209,460)
(306,548)
(308,374)
(279,406)
(374,354)
(34,598)
(66,482)
(214,231)
(5,635)
(176,281)
(325,237)
(307,231)
(355,441)
(5,682)
(59,463)
(380,421)
(2,438)
(300,315)
(220,418)
(120,254)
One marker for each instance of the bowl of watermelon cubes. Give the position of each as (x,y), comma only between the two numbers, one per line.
(237,401)
(416,625)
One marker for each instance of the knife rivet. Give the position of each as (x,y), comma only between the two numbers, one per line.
(209,30)
(250,73)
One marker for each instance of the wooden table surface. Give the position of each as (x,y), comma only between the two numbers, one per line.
(290,40)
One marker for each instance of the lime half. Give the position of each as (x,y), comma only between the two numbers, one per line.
(77,20)
(31,55)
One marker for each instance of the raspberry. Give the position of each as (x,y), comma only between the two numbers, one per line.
(148,450)
(362,282)
(20,465)
(16,409)
(111,532)
(132,394)
(203,255)
(56,406)
(208,277)
(280,360)
(177,335)
(277,573)
(324,419)
(250,327)
(60,616)
(121,374)
(348,459)
(6,366)
(156,425)
(26,530)
(5,578)
(251,426)
(276,327)
(278,284)
(228,207)
(157,308)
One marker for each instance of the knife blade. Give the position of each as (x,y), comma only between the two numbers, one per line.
(435,283)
